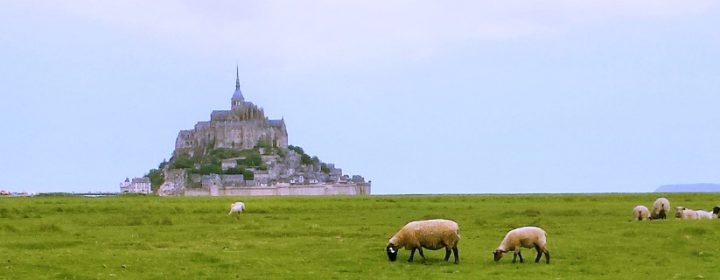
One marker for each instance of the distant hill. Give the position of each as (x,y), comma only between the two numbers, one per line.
(689,188)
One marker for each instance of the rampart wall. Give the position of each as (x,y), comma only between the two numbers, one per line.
(343,189)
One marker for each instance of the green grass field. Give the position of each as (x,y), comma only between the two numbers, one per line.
(138,237)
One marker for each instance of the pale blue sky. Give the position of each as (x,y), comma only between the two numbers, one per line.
(417,96)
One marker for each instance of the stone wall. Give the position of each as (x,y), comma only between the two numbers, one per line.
(340,189)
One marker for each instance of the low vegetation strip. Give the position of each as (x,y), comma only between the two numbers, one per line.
(339,237)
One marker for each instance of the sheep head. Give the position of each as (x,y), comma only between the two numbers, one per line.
(392,252)
(678,211)
(497,254)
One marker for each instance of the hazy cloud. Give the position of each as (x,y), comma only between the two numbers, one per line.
(346,32)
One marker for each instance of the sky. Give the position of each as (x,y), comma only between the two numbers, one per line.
(420,97)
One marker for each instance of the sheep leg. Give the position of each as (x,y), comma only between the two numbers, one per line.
(547,256)
(447,253)
(520,256)
(539,253)
(514,256)
(457,256)
(421,253)
(412,254)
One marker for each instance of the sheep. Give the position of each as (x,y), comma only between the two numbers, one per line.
(429,234)
(660,208)
(641,213)
(527,237)
(237,207)
(685,213)
(702,214)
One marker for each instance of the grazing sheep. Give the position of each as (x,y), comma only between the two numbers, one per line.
(527,237)
(702,214)
(685,213)
(660,208)
(641,213)
(237,207)
(429,234)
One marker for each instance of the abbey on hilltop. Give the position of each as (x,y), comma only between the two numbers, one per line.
(242,152)
(244,126)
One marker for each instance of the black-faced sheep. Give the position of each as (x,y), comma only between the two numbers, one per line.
(641,213)
(527,237)
(428,234)
(716,211)
(237,207)
(661,207)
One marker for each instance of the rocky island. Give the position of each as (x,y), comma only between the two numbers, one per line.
(241,152)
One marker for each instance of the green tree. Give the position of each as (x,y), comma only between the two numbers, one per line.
(181,162)
(156,178)
(248,175)
(305,159)
(296,149)
(235,170)
(206,169)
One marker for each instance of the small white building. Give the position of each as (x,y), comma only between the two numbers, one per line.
(137,185)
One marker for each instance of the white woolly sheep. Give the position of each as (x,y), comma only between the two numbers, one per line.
(527,237)
(702,214)
(237,207)
(429,234)
(641,213)
(685,213)
(661,207)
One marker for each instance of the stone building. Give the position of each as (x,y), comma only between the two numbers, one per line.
(137,185)
(244,126)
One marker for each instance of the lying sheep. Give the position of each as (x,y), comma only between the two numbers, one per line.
(702,214)
(685,213)
(641,213)
(237,207)
(527,237)
(429,234)
(660,208)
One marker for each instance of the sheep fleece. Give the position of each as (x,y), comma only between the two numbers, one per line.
(430,234)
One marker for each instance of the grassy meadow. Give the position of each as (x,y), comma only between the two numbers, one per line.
(343,237)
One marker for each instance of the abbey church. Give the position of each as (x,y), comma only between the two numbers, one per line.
(244,126)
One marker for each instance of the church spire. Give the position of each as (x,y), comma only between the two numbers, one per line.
(237,78)
(237,98)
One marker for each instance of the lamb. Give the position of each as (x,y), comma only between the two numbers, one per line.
(641,213)
(660,208)
(237,207)
(429,234)
(527,237)
(685,213)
